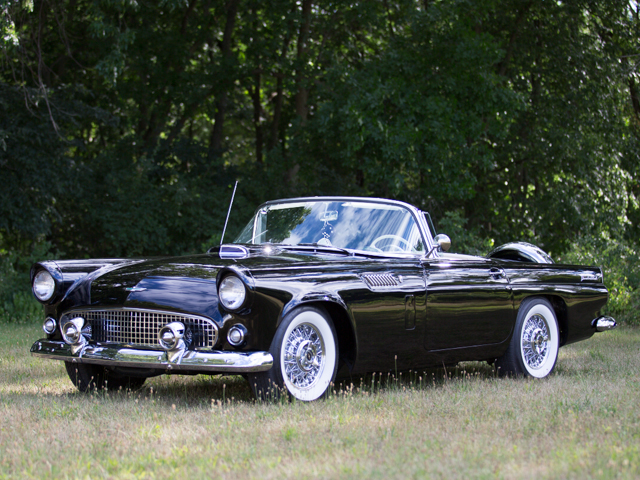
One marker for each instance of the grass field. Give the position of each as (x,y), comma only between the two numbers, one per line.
(582,422)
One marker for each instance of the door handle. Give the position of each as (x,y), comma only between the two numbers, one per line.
(497,273)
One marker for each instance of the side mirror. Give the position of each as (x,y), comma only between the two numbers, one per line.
(443,241)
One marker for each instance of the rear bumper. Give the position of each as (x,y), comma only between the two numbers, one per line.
(124,356)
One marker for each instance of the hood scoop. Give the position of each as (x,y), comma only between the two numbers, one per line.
(381,280)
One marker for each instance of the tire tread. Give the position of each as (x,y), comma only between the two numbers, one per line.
(87,378)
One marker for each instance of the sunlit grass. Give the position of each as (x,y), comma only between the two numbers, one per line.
(582,422)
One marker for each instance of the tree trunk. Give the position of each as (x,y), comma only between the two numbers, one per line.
(277,113)
(217,133)
(635,98)
(504,63)
(277,101)
(257,109)
(302,93)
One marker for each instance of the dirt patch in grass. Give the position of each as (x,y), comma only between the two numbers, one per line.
(582,422)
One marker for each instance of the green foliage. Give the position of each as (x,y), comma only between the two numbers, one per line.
(417,121)
(166,204)
(463,239)
(32,163)
(561,168)
(22,306)
(620,263)
(17,303)
(123,125)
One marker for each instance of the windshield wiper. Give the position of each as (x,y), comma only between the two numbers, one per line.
(257,235)
(315,246)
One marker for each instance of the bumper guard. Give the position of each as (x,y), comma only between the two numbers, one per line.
(604,323)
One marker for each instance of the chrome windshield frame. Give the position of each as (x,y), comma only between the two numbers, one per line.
(417,214)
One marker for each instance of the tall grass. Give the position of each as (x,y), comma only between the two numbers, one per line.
(582,422)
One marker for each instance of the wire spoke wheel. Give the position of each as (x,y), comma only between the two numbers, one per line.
(305,353)
(533,350)
(535,341)
(303,356)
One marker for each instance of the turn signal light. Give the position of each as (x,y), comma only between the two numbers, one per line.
(49,325)
(236,335)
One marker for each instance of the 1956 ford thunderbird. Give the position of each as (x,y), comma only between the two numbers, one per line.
(311,287)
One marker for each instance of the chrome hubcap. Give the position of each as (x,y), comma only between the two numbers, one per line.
(303,355)
(306,356)
(535,341)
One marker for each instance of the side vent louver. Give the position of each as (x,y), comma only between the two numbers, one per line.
(380,280)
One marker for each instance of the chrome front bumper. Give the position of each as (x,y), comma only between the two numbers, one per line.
(188,361)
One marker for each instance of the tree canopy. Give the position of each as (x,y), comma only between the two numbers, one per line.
(124,124)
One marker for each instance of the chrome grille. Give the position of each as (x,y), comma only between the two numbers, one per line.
(140,327)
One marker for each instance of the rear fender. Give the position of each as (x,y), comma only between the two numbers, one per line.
(520,252)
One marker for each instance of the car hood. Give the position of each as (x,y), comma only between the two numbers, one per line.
(188,283)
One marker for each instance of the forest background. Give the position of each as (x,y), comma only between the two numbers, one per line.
(124,124)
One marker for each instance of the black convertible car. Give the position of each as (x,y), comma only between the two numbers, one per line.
(311,287)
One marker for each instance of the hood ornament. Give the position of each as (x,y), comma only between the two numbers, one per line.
(135,289)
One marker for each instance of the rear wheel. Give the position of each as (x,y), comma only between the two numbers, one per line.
(533,350)
(88,377)
(305,357)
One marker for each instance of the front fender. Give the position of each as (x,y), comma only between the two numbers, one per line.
(313,297)
(341,316)
(68,272)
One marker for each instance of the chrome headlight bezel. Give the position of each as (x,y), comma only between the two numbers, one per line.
(44,286)
(232,293)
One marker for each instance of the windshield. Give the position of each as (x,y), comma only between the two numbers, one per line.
(356,225)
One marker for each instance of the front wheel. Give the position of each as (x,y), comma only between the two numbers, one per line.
(88,377)
(533,350)
(305,353)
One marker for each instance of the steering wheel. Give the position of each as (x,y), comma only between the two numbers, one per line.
(393,246)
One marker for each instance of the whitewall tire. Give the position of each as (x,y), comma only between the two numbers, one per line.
(305,353)
(533,350)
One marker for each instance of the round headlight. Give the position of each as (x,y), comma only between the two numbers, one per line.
(232,292)
(43,286)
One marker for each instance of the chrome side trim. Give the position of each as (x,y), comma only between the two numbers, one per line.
(590,277)
(120,356)
(604,323)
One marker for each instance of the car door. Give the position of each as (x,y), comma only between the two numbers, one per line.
(388,307)
(469,304)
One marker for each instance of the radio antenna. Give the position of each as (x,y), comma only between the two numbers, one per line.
(229,212)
